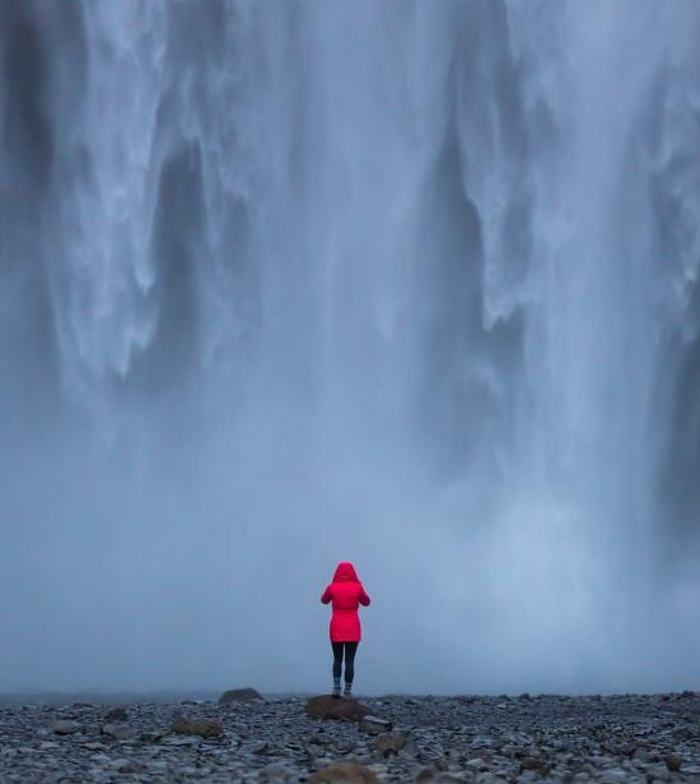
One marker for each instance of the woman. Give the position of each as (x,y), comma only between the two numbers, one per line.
(346,593)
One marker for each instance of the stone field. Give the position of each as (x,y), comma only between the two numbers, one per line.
(427,740)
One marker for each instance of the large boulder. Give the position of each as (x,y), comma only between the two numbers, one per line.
(326,706)
(344,773)
(240,695)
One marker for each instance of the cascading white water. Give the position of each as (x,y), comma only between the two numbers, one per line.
(411,283)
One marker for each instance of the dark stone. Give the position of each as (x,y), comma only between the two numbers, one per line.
(344,773)
(116,714)
(673,762)
(151,737)
(426,774)
(326,706)
(532,763)
(240,695)
(389,743)
(64,727)
(205,728)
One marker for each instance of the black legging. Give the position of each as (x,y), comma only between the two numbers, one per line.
(350,649)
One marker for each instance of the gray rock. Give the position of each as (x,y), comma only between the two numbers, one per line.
(277,772)
(374,725)
(124,765)
(151,737)
(117,731)
(616,776)
(389,743)
(179,741)
(658,772)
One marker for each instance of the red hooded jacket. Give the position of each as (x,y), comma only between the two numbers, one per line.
(347,594)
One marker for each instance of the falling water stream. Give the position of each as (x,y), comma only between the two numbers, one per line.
(410,283)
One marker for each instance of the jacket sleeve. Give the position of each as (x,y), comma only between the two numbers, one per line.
(326,595)
(363,597)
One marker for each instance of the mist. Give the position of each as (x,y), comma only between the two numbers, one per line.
(409,284)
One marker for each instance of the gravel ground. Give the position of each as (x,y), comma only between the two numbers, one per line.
(446,739)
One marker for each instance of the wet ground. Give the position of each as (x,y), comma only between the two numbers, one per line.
(442,739)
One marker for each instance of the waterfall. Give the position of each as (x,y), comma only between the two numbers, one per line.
(410,283)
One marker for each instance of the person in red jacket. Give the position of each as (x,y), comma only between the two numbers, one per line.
(347,594)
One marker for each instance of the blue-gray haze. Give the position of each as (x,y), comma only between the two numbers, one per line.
(410,283)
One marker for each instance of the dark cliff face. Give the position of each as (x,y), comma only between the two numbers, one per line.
(666,133)
(43,52)
(678,409)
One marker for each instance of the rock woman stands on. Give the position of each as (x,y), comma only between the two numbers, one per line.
(347,594)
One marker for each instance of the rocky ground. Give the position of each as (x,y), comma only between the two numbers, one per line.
(427,740)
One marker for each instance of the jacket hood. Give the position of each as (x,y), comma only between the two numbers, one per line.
(345,573)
